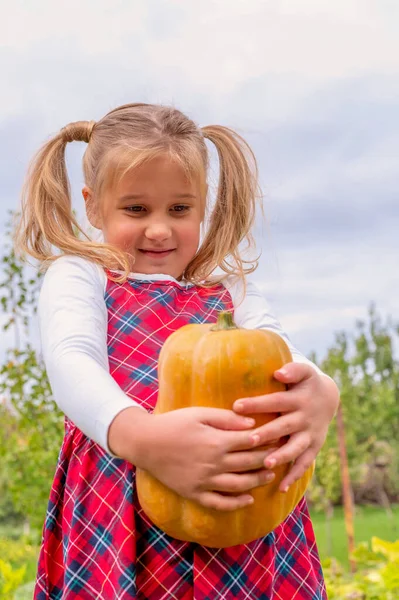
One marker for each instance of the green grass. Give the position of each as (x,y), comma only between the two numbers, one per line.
(31,568)
(369,521)
(25,592)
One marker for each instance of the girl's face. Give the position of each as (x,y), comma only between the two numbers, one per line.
(154,213)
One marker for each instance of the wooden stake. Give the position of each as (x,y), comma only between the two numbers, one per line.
(346,487)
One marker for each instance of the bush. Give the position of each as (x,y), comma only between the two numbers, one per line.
(376,578)
(10,579)
(17,565)
(17,551)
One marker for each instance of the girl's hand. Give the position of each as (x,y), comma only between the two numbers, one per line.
(307,407)
(200,453)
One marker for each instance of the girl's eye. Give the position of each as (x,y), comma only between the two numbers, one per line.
(178,208)
(135,209)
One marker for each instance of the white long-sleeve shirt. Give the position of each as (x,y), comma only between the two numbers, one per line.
(73,328)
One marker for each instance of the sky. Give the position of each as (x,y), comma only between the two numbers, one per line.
(313,85)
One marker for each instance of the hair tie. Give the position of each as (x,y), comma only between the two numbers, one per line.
(79,131)
(90,128)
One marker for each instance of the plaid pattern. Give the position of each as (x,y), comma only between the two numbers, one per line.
(97,542)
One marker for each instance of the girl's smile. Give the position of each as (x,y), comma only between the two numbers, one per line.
(157,254)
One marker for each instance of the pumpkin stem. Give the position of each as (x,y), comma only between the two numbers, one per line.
(225,321)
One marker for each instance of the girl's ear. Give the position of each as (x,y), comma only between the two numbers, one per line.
(92,208)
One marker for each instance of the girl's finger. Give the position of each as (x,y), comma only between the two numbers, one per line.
(297,444)
(278,428)
(239,462)
(294,372)
(235,483)
(234,441)
(224,503)
(279,402)
(224,419)
(298,469)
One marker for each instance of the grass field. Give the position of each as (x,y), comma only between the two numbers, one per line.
(369,521)
(25,592)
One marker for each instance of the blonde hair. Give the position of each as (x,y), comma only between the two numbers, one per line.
(122,140)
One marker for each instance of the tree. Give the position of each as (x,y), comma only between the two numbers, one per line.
(32,429)
(367,373)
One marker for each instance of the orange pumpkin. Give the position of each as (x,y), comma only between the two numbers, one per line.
(214,365)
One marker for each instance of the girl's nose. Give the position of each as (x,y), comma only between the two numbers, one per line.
(158,231)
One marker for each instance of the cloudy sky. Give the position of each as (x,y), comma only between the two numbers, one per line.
(312,84)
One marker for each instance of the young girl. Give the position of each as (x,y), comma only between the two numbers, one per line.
(105,311)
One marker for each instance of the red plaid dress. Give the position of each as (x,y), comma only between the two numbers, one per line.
(98,544)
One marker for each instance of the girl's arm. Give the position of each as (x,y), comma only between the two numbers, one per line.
(73,331)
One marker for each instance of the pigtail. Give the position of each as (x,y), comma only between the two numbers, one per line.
(47,221)
(234,211)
